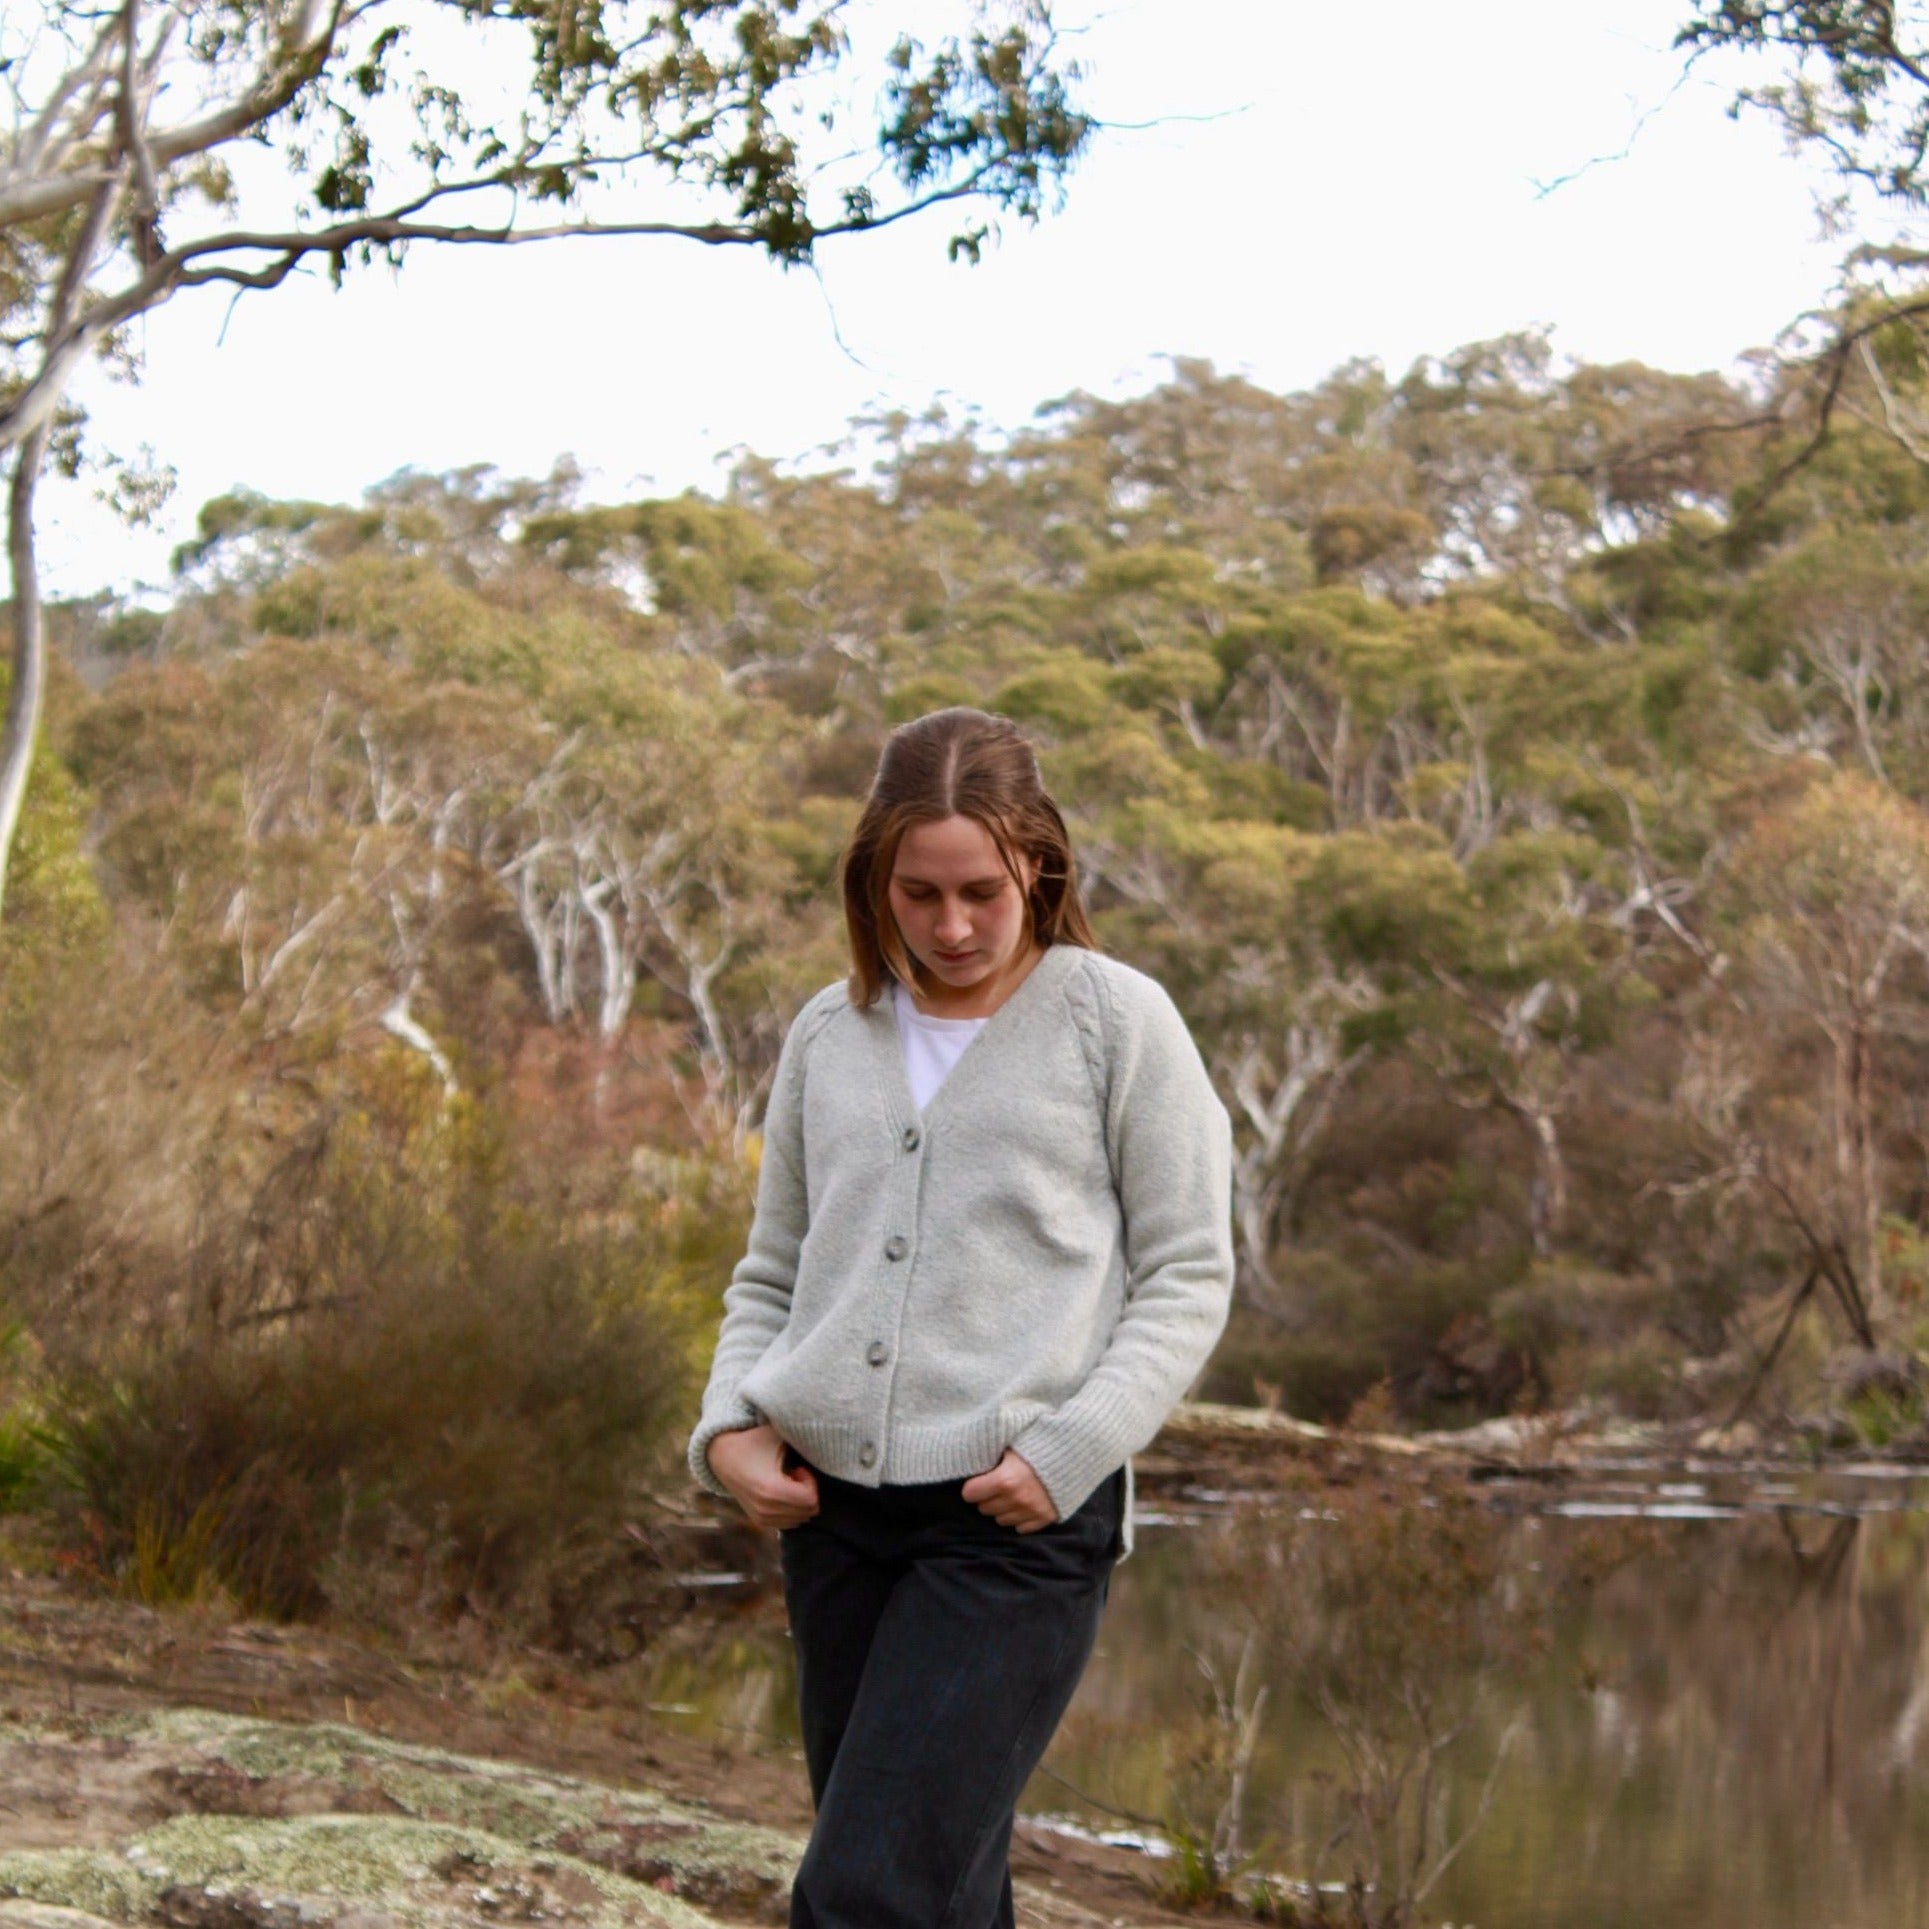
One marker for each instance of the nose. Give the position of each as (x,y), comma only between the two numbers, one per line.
(952,927)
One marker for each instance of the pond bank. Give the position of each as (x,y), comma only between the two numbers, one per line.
(1248,1448)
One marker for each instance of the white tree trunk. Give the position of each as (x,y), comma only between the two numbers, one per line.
(26,697)
(400,1023)
(28,436)
(1285,1108)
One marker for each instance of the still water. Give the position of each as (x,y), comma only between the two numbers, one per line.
(1700,1700)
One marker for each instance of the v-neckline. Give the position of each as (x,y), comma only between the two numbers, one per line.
(897,1081)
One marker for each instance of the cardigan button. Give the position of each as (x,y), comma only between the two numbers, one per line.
(910,1138)
(867,1455)
(896,1246)
(877,1352)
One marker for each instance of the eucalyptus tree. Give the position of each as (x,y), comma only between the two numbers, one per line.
(317,829)
(1856,80)
(1499,976)
(1286,1027)
(1848,80)
(1831,898)
(1828,638)
(643,849)
(133,171)
(1526,468)
(395,723)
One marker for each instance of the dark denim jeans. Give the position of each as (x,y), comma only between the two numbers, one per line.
(936,1652)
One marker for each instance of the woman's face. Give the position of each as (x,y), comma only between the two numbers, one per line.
(961,915)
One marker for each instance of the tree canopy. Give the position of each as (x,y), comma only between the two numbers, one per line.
(1533,839)
(162,145)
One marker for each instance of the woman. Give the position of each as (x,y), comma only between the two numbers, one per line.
(991,1249)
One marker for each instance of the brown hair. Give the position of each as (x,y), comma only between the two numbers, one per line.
(956,763)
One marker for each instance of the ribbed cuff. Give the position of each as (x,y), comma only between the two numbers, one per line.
(1070,1454)
(732,1415)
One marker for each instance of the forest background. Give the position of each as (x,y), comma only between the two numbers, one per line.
(1515,769)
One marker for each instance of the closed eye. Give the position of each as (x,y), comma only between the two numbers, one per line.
(977,893)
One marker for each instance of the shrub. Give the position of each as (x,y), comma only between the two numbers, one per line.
(408,1348)
(1314,1375)
(1344,1318)
(23,1432)
(1641,1378)
(23,1459)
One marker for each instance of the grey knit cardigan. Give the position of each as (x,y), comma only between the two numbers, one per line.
(1042,1260)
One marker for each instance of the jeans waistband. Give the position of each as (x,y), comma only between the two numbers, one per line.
(935,1499)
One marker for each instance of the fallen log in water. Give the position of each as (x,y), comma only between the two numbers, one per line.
(1206,1419)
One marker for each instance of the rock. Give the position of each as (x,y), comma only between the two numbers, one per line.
(420,1839)
(17,1912)
(1742,1438)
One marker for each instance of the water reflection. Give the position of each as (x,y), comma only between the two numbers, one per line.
(1729,1730)
(1690,1700)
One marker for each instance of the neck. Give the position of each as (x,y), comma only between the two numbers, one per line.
(979,1000)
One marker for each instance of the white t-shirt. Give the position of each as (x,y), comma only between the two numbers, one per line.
(931,1045)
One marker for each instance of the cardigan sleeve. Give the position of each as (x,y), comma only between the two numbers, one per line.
(756,1303)
(1171,1143)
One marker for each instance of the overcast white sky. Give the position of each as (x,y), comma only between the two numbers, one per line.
(1320,181)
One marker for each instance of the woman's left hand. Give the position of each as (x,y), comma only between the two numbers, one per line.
(1012,1495)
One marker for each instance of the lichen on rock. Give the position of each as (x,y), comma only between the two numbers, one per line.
(243,1872)
(287,1826)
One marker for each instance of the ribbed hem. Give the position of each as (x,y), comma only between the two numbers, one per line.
(906,1456)
(727,1416)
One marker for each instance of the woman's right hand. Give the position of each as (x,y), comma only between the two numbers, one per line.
(750,1462)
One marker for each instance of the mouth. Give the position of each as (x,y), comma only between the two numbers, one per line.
(953,957)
